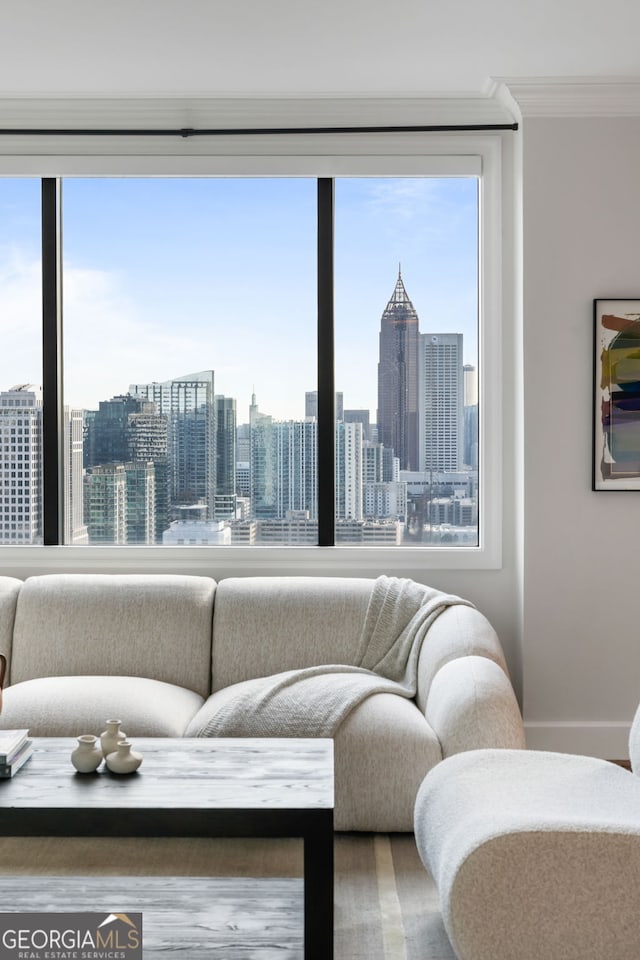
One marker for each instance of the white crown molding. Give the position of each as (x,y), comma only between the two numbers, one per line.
(236,112)
(571,96)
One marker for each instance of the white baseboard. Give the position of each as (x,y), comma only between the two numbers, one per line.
(606,739)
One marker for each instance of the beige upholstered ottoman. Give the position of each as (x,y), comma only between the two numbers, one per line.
(536,856)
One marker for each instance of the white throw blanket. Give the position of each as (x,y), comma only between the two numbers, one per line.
(313,701)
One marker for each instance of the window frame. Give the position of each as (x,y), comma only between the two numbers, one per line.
(322,157)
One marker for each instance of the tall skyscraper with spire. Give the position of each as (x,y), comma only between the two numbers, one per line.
(398,378)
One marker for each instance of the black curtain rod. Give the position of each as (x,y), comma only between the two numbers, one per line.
(186,132)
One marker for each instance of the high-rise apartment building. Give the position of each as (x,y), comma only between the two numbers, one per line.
(349,471)
(243,443)
(21,465)
(243,460)
(311,405)
(283,465)
(147,439)
(141,502)
(441,424)
(470,379)
(225,501)
(120,503)
(296,457)
(360,416)
(398,378)
(385,500)
(470,416)
(124,430)
(189,406)
(263,464)
(372,462)
(106,431)
(390,466)
(75,530)
(383,494)
(105,504)
(284,470)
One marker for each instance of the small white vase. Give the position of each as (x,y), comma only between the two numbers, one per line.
(123,759)
(111,737)
(87,756)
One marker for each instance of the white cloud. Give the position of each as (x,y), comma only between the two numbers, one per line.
(109,345)
(404,198)
(110,342)
(20,319)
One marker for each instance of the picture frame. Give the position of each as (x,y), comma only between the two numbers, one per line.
(616,394)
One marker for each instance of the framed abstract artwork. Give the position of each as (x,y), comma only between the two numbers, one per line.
(616,395)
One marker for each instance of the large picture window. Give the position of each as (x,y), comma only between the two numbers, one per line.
(247,361)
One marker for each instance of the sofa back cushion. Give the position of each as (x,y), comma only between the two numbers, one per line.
(264,625)
(156,626)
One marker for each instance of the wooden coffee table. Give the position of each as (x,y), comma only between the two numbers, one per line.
(192,788)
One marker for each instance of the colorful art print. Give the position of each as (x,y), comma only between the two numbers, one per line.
(616,415)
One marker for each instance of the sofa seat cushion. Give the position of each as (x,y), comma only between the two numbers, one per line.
(383,751)
(70,706)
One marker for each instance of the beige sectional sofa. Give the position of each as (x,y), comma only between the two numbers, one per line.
(164,653)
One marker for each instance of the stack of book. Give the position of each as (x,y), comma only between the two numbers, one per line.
(15,749)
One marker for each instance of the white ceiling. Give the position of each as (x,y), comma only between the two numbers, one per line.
(284,48)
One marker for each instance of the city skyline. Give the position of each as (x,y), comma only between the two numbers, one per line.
(160,464)
(230,284)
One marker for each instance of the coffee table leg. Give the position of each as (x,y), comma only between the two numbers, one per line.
(318,892)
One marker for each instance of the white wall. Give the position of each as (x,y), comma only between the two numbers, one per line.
(581,240)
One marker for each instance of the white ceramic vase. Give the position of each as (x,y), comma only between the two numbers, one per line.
(111,737)
(123,759)
(87,756)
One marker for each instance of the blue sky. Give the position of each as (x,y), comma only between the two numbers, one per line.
(166,277)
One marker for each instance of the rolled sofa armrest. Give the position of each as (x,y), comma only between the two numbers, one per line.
(459,631)
(471,705)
